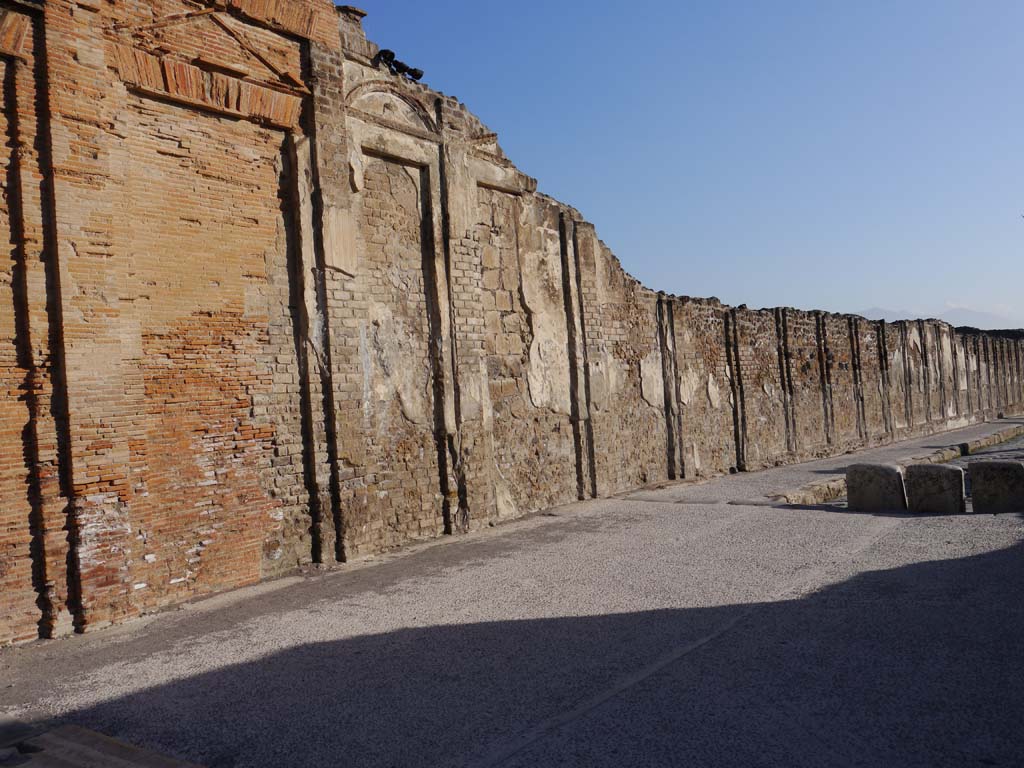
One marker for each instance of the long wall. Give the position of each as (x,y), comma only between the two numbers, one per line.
(268,303)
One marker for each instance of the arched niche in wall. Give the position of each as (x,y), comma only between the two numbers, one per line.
(385,102)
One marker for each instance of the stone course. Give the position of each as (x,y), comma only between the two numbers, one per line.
(268,304)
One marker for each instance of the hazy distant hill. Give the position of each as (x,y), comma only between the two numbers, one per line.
(957,317)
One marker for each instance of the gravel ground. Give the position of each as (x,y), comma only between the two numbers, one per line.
(693,625)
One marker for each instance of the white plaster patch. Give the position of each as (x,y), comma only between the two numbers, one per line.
(340,247)
(689,383)
(548,373)
(356,170)
(694,457)
(714,396)
(392,352)
(652,382)
(607,379)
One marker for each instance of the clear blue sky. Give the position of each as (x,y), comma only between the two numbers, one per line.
(814,153)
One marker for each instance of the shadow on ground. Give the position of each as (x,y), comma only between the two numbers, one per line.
(916,666)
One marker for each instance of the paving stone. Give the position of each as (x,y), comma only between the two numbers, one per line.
(997,487)
(936,489)
(876,488)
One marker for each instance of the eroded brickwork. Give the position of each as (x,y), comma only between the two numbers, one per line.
(267,302)
(705,388)
(806,372)
(402,501)
(627,373)
(33,533)
(170,125)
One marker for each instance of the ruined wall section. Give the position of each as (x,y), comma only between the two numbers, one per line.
(706,400)
(844,390)
(874,374)
(173,181)
(548,352)
(807,381)
(270,302)
(764,421)
(631,354)
(391,343)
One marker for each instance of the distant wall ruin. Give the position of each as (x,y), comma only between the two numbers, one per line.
(266,303)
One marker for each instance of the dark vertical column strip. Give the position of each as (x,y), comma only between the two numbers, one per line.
(570,320)
(825,371)
(782,352)
(677,391)
(791,387)
(454,519)
(979,378)
(1020,374)
(666,383)
(55,314)
(997,362)
(954,346)
(1004,356)
(322,344)
(589,422)
(922,334)
(739,412)
(666,337)
(986,347)
(908,375)
(883,372)
(301,331)
(982,375)
(941,367)
(24,350)
(968,398)
(853,327)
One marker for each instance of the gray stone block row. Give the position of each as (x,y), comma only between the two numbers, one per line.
(997,487)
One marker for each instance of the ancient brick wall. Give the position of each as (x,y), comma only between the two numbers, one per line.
(706,398)
(171,127)
(843,387)
(874,379)
(268,302)
(630,342)
(33,506)
(756,342)
(806,381)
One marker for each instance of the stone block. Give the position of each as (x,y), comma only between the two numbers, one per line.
(997,487)
(875,488)
(935,489)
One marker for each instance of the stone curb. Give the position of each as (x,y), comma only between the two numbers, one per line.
(824,491)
